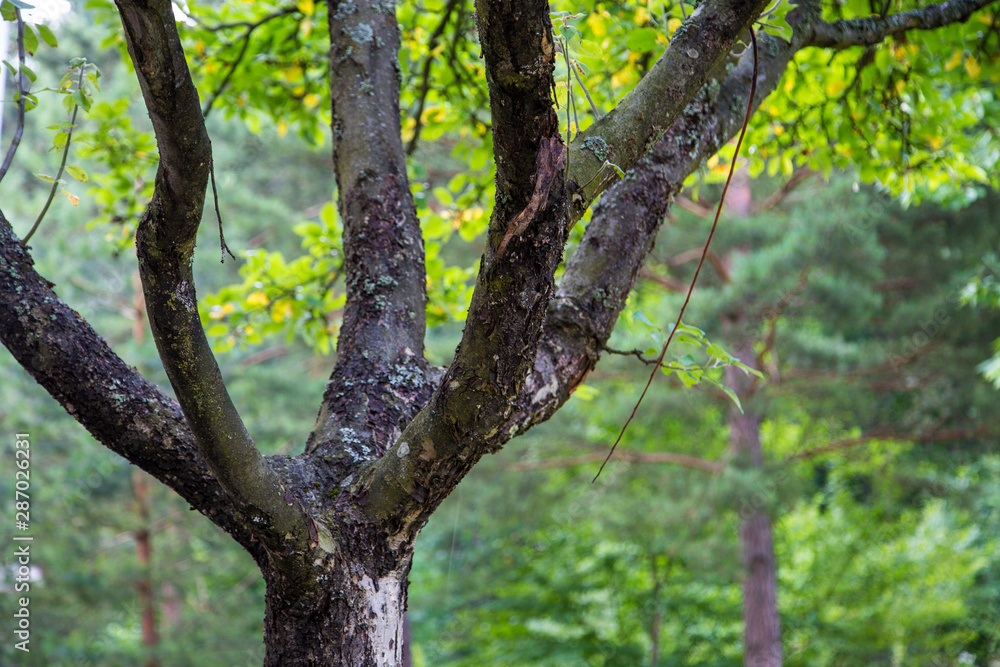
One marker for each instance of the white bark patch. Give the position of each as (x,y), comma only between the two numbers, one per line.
(384,598)
(184,295)
(549,389)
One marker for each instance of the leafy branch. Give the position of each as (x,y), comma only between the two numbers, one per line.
(249,29)
(425,76)
(79,98)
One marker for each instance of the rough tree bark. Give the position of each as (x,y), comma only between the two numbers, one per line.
(333,529)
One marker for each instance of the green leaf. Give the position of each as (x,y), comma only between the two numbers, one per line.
(639,315)
(685,360)
(443,196)
(30,40)
(7,11)
(716,351)
(641,40)
(590,48)
(47,179)
(20,4)
(46,34)
(30,73)
(81,100)
(732,395)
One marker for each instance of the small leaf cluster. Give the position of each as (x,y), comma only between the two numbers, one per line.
(127,158)
(703,363)
(301,298)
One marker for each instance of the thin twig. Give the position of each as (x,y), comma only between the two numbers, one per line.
(62,164)
(593,107)
(223,248)
(639,355)
(569,94)
(425,84)
(626,455)
(22,90)
(250,27)
(715,223)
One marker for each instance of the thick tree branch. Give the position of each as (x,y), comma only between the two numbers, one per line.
(380,349)
(519,53)
(624,135)
(600,275)
(871,30)
(120,408)
(463,418)
(165,242)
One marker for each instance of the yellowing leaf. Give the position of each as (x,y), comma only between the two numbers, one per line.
(954,61)
(307,7)
(311,100)
(77,173)
(641,16)
(597,25)
(73,199)
(257,298)
(900,86)
(972,67)
(622,77)
(835,87)
(673,25)
(281,311)
(218,313)
(282,128)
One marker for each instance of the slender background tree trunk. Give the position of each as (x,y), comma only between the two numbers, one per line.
(761,625)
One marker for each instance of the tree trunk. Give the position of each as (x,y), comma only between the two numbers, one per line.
(761,625)
(351,617)
(143,550)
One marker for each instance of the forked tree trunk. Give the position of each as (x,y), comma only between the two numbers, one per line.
(353,617)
